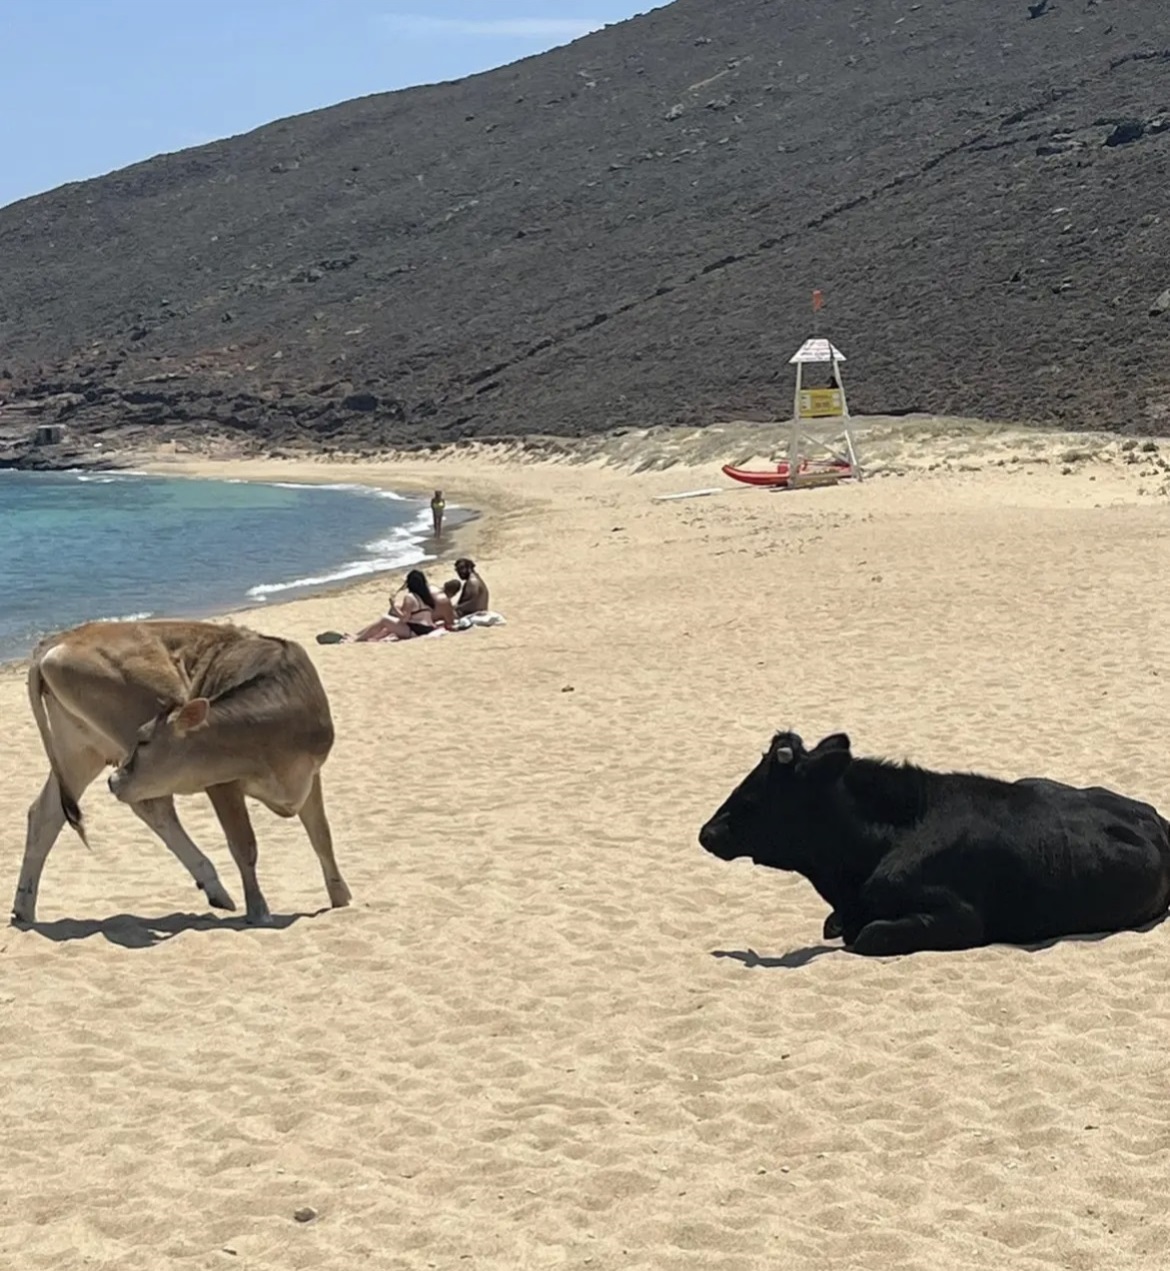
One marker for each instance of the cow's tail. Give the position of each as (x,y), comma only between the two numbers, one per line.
(36,696)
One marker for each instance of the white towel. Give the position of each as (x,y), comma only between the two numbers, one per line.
(487,619)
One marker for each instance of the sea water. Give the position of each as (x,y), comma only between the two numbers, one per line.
(76,546)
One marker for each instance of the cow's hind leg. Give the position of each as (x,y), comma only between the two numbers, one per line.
(162,818)
(46,819)
(230,808)
(943,922)
(316,825)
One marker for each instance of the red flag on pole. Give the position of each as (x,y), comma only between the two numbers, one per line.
(818,300)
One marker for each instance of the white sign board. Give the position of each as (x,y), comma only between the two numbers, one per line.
(816,351)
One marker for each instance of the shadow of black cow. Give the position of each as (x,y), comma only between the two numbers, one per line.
(797,958)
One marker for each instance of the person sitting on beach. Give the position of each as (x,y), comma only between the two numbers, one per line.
(445,603)
(473,598)
(411,613)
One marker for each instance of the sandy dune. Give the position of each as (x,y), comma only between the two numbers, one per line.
(551,1032)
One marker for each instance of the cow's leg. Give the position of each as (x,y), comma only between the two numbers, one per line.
(46,819)
(940,921)
(316,825)
(228,802)
(162,818)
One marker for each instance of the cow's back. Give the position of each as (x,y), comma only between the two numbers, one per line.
(1039,858)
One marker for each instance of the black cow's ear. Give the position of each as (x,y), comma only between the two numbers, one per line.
(826,766)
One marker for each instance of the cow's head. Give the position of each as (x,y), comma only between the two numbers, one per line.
(159,763)
(768,815)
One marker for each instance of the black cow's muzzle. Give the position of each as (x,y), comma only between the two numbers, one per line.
(713,839)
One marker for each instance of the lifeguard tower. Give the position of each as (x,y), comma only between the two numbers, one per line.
(820,421)
(820,445)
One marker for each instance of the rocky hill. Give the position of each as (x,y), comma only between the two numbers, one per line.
(626,230)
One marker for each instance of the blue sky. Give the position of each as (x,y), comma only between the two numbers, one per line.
(87,86)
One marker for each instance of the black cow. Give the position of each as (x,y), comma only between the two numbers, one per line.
(911,859)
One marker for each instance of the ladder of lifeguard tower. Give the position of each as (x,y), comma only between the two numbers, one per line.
(827,404)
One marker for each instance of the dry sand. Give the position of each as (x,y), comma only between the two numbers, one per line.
(551,1032)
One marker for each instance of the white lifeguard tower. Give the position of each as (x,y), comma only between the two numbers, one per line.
(815,412)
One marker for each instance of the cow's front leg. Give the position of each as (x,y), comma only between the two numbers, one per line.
(162,818)
(937,920)
(847,919)
(232,811)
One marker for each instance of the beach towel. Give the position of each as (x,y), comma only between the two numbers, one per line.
(489,618)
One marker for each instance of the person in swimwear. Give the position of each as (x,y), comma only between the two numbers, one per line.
(473,595)
(411,613)
(445,603)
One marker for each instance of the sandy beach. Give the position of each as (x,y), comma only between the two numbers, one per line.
(551,1031)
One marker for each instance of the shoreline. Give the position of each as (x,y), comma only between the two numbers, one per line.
(471,474)
(457,531)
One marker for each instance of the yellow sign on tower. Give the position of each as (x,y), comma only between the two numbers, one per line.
(821,403)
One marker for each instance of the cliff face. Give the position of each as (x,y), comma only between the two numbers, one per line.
(627,230)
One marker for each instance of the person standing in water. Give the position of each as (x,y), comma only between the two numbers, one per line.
(438,507)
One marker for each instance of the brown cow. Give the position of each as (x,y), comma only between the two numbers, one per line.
(180,707)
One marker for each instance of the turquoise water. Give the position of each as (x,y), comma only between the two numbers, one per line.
(76,546)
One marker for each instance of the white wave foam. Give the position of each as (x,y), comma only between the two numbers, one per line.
(401,548)
(351,487)
(129,617)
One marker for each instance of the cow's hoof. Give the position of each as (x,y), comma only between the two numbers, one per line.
(259,920)
(880,939)
(833,929)
(218,898)
(21,920)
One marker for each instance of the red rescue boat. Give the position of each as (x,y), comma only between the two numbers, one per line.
(779,474)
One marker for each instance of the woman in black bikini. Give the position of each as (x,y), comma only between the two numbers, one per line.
(415,604)
(411,612)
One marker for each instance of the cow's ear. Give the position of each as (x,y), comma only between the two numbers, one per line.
(191,716)
(825,765)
